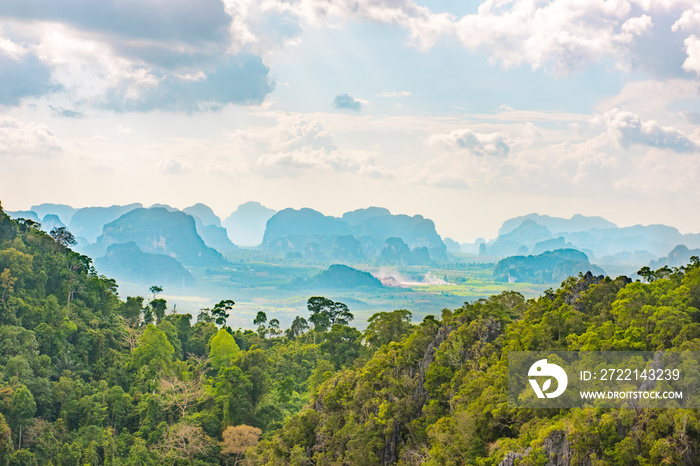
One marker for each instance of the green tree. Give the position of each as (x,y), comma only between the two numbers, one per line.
(63,237)
(158,307)
(342,345)
(385,327)
(153,352)
(221,312)
(223,349)
(22,409)
(298,327)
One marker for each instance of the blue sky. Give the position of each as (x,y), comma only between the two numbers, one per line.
(465,112)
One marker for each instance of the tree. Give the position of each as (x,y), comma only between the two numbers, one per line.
(221,312)
(385,327)
(185,441)
(153,351)
(182,391)
(63,237)
(223,349)
(298,327)
(236,440)
(155,289)
(325,313)
(342,344)
(22,409)
(260,320)
(158,307)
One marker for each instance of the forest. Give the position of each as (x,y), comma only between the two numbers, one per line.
(87,378)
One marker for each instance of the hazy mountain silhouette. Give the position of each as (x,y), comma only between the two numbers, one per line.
(89,221)
(246,225)
(204,213)
(549,267)
(128,263)
(158,231)
(557,224)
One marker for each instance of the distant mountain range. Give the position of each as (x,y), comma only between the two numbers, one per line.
(363,234)
(196,237)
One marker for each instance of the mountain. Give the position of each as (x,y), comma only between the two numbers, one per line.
(51,221)
(344,277)
(360,215)
(293,230)
(548,267)
(246,225)
(64,212)
(26,214)
(679,256)
(520,240)
(214,236)
(89,221)
(128,263)
(204,213)
(156,230)
(557,224)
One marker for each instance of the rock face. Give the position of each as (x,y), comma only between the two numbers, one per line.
(556,447)
(511,457)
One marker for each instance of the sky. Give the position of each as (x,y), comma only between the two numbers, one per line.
(465,112)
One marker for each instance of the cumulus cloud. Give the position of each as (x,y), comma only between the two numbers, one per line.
(491,144)
(129,55)
(692,49)
(346,102)
(19,138)
(299,143)
(627,129)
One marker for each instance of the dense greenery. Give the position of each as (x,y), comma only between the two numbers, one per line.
(439,396)
(86,378)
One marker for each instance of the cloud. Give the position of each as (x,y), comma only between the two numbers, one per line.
(65,113)
(19,138)
(491,144)
(21,76)
(298,143)
(394,94)
(241,79)
(130,55)
(627,129)
(692,49)
(131,20)
(172,166)
(344,101)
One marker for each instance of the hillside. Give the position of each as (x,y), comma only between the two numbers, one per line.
(439,396)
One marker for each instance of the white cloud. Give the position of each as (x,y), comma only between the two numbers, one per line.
(692,48)
(20,138)
(626,128)
(492,144)
(638,25)
(393,94)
